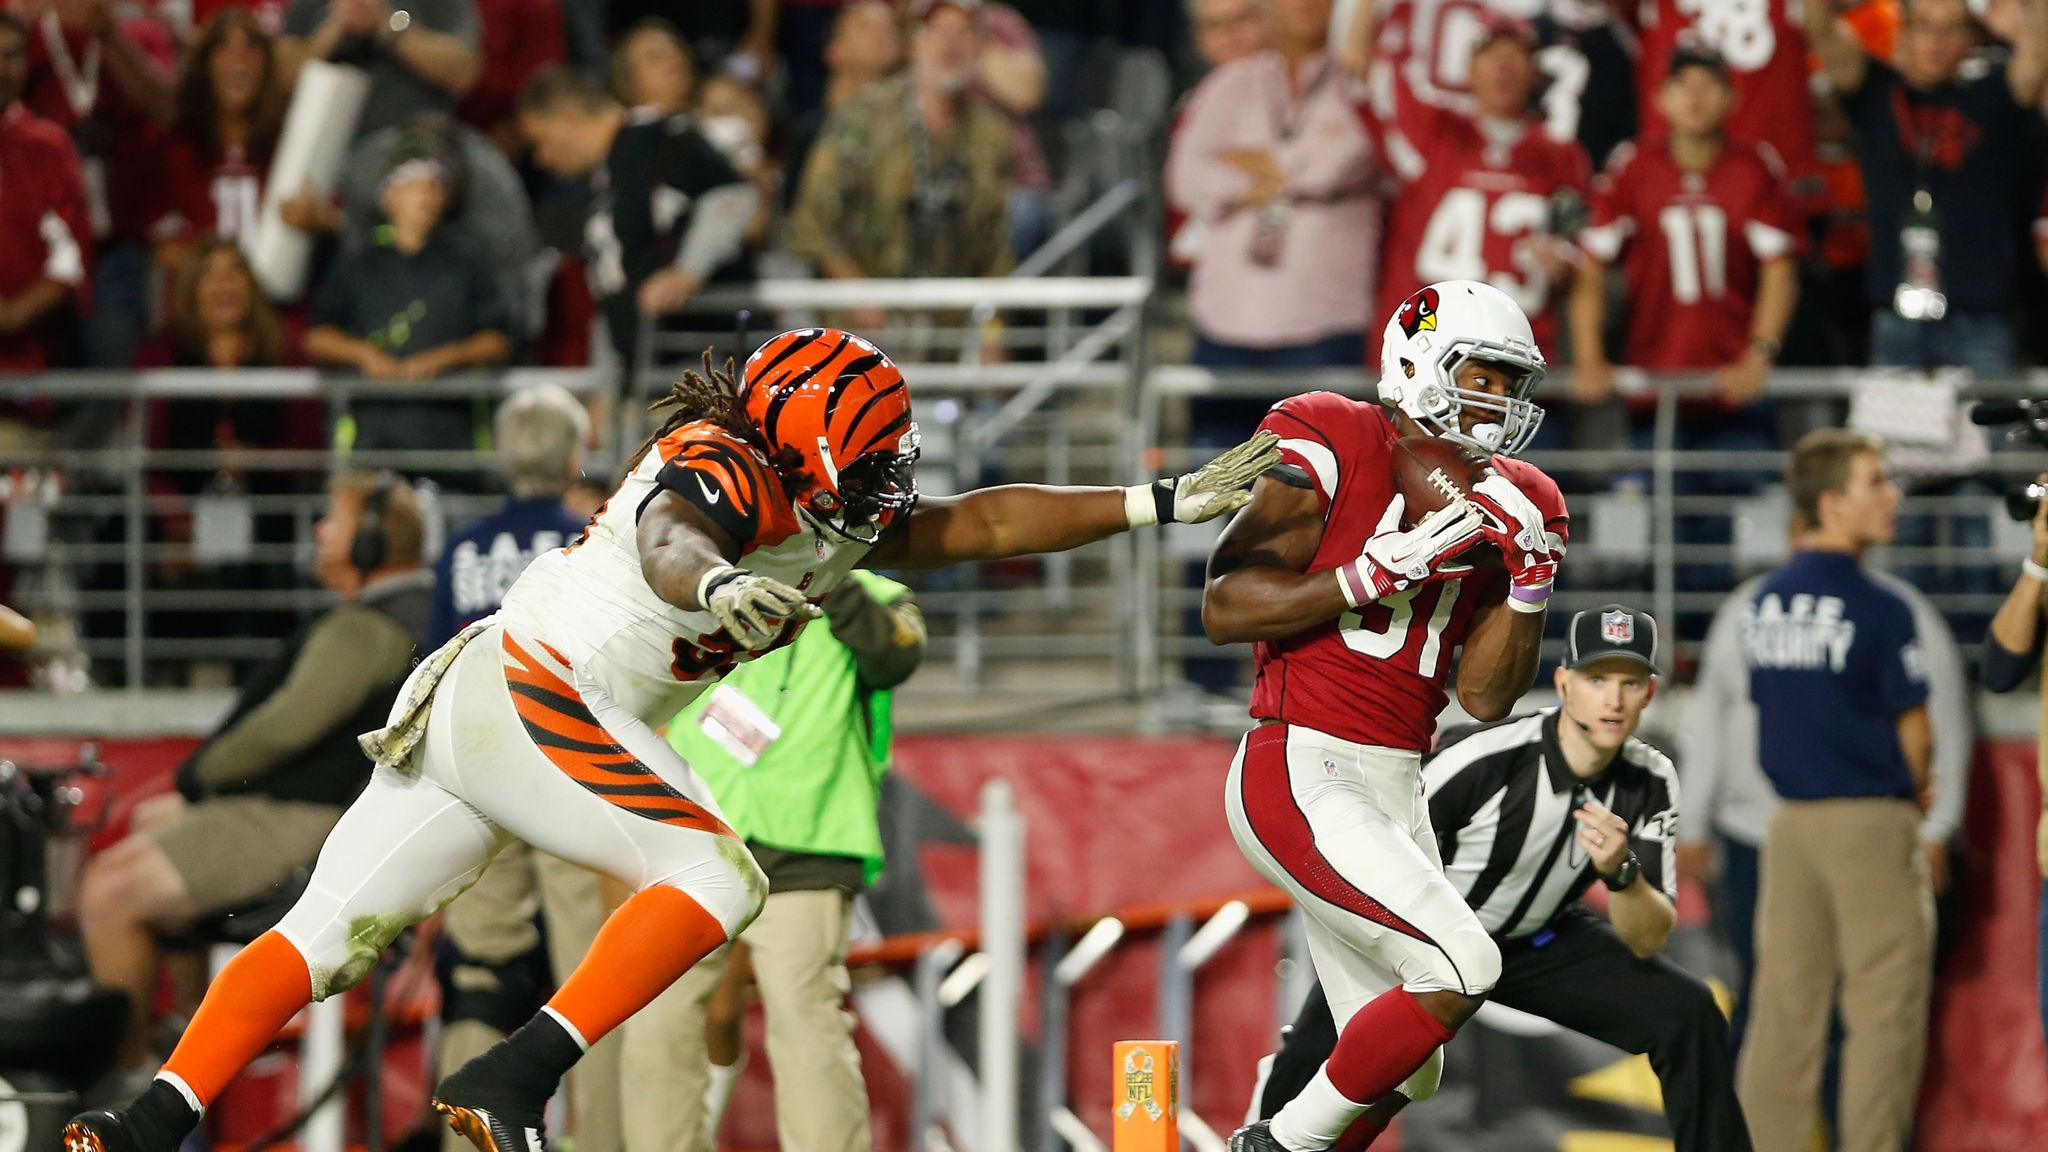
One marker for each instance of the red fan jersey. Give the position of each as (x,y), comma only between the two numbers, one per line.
(1695,242)
(1425,46)
(45,225)
(68,82)
(1374,675)
(269,13)
(1473,207)
(1764,45)
(199,191)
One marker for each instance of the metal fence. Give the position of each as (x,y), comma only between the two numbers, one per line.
(1071,397)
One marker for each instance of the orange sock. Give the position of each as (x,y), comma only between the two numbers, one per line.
(260,989)
(649,941)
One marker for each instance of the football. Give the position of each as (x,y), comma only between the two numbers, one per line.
(1431,472)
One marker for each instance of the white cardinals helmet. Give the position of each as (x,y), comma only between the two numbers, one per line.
(1433,334)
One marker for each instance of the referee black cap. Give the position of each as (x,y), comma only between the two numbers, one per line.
(1612,631)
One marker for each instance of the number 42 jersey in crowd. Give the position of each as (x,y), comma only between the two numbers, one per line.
(592,604)
(1374,675)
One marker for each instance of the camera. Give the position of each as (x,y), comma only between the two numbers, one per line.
(2021,503)
(2023,420)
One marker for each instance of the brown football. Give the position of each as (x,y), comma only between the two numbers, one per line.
(1431,471)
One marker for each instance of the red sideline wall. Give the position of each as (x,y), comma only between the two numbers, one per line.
(1125,820)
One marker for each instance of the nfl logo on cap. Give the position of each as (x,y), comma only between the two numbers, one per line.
(1617,627)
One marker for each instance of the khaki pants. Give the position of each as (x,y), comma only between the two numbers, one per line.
(493,922)
(798,947)
(1845,903)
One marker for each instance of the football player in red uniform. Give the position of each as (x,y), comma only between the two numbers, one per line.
(1711,238)
(1353,620)
(1477,190)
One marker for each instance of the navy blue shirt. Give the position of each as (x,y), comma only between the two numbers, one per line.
(1833,660)
(482,560)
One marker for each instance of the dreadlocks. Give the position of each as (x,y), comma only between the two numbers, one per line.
(713,397)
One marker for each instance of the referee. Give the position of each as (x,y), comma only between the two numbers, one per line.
(1528,814)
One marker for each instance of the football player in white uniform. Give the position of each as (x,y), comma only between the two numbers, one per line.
(746,508)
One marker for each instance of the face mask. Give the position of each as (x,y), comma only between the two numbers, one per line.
(734,137)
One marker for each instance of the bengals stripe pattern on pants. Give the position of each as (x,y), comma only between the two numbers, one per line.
(562,727)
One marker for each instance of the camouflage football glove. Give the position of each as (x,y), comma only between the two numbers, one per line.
(752,608)
(1222,485)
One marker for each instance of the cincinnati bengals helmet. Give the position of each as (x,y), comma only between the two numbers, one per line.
(1436,332)
(839,404)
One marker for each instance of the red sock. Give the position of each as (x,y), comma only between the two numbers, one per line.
(1383,1044)
(1359,1136)
(649,941)
(261,989)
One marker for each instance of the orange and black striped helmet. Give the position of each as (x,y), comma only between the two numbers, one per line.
(839,403)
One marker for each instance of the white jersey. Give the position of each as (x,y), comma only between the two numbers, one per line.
(591,604)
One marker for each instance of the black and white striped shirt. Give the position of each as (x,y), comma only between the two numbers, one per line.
(1501,799)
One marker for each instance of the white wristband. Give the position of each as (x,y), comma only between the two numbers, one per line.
(2028,567)
(1140,507)
(704,582)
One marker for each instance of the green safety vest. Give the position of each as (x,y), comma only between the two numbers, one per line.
(815,788)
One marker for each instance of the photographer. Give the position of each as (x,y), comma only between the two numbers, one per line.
(2013,649)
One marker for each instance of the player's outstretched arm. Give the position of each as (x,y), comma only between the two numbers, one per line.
(686,560)
(1499,661)
(1258,588)
(1026,519)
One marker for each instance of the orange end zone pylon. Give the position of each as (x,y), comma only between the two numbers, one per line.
(1145,1112)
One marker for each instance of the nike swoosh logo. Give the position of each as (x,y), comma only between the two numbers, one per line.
(711,494)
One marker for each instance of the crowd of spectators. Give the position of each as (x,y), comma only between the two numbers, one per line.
(1672,187)
(1726,165)
(141,136)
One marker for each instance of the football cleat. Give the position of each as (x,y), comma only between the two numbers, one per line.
(110,1130)
(489,1115)
(1256,1137)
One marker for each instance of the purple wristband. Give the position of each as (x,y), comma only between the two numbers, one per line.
(1532,594)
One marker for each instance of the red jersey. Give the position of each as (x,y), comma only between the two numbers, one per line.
(195,13)
(1374,675)
(69,83)
(1471,207)
(517,38)
(45,227)
(1695,243)
(199,191)
(1425,46)
(1764,45)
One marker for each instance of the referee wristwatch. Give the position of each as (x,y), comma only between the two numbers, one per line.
(1625,875)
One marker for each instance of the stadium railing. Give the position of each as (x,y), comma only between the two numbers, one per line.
(83,507)
(1654,518)
(1657,520)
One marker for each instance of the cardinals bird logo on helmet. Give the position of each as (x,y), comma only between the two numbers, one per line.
(1418,313)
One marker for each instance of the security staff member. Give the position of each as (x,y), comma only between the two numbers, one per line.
(1528,814)
(1839,681)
